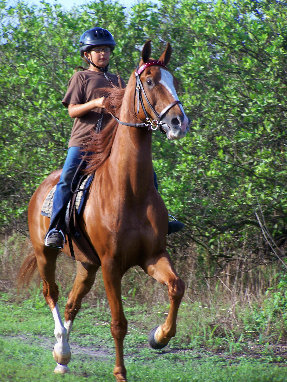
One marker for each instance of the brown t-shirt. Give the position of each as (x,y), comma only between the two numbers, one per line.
(83,87)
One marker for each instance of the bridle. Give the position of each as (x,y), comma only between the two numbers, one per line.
(151,124)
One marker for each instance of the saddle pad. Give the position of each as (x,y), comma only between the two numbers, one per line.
(81,194)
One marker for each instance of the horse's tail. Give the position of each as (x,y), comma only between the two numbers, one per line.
(26,271)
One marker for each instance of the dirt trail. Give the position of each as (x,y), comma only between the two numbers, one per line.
(102,352)
(48,343)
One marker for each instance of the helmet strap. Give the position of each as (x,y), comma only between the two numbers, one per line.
(104,70)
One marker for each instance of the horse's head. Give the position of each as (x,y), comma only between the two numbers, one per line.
(157,95)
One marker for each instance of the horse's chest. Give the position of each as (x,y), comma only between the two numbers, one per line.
(129,239)
(127,229)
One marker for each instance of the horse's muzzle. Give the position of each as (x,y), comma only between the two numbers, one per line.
(175,126)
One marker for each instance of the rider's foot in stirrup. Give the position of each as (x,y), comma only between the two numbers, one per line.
(174,226)
(55,239)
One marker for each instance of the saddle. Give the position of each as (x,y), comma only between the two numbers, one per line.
(73,215)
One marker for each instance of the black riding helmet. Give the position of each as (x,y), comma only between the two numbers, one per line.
(96,37)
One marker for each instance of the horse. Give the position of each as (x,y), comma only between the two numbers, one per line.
(124,218)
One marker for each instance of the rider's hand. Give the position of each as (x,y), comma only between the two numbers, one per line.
(99,102)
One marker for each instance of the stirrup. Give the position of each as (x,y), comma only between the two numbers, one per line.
(55,239)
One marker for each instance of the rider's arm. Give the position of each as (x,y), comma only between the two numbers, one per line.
(76,111)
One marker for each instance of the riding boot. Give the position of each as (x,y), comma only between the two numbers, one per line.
(55,237)
(174,226)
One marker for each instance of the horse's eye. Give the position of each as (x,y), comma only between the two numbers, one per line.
(149,81)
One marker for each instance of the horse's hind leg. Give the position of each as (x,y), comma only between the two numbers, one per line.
(83,282)
(161,269)
(46,261)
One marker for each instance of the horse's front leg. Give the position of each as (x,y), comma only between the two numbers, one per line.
(61,352)
(84,280)
(112,278)
(161,269)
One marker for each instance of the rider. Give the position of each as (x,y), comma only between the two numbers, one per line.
(84,101)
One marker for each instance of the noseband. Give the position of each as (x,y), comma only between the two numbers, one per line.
(152,124)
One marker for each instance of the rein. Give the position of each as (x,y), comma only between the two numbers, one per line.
(152,124)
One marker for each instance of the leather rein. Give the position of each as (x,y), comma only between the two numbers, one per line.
(152,124)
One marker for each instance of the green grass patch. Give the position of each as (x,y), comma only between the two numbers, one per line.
(27,340)
(25,362)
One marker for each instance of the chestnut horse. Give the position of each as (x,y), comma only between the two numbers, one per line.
(124,218)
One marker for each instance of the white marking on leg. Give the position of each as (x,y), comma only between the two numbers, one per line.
(60,330)
(61,353)
(68,326)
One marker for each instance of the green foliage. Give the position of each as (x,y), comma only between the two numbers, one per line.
(230,59)
(270,318)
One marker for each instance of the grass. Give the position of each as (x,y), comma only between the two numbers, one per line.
(24,362)
(224,333)
(27,340)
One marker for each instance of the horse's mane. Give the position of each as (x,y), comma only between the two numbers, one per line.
(100,144)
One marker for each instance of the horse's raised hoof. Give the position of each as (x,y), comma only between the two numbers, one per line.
(61,369)
(153,342)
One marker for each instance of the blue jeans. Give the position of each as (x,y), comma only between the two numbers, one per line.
(63,191)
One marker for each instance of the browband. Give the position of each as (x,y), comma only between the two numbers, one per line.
(149,63)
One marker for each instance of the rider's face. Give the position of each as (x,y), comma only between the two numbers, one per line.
(100,55)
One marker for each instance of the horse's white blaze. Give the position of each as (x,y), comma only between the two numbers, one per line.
(167,81)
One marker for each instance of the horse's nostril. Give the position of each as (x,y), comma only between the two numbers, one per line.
(175,121)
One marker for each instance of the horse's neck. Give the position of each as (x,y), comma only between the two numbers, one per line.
(131,155)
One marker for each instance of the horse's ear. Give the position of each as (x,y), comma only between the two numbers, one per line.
(146,52)
(165,57)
